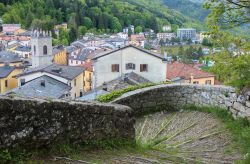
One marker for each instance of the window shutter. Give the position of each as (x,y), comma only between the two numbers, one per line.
(141,67)
(117,68)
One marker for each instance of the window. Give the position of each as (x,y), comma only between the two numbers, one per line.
(208,82)
(196,82)
(34,50)
(143,68)
(6,83)
(130,66)
(22,81)
(71,61)
(75,82)
(115,68)
(76,62)
(45,50)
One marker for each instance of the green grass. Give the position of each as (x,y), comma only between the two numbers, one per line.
(239,128)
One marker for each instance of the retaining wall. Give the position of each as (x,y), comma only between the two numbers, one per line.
(176,96)
(35,123)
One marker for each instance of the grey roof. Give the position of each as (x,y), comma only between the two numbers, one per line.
(5,71)
(57,49)
(67,72)
(82,55)
(140,49)
(116,84)
(23,48)
(70,49)
(26,33)
(116,39)
(9,57)
(52,89)
(92,95)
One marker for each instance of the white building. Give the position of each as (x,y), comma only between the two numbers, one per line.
(41,48)
(166,28)
(122,35)
(186,33)
(114,64)
(131,27)
(165,36)
(23,51)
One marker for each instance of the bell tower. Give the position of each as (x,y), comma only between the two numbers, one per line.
(41,48)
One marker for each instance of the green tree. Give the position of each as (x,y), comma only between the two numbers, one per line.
(228,13)
(181,51)
(87,22)
(82,30)
(138,29)
(115,24)
(206,42)
(161,42)
(129,32)
(72,35)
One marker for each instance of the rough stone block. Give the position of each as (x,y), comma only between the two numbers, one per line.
(228,103)
(238,106)
(248,104)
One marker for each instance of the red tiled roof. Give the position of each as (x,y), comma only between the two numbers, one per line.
(88,66)
(177,69)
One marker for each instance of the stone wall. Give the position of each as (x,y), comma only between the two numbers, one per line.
(36,123)
(175,96)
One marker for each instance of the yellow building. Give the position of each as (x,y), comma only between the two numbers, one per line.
(88,76)
(60,55)
(7,80)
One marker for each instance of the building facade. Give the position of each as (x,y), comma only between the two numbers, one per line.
(7,80)
(111,65)
(186,33)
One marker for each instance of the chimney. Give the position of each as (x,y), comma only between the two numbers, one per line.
(42,83)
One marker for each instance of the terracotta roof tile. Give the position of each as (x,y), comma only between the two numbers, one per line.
(177,69)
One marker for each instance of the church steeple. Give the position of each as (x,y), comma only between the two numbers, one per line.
(41,47)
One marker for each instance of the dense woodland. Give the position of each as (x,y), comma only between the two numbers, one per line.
(194,10)
(104,15)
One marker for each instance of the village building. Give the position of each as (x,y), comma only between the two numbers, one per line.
(7,80)
(71,76)
(10,58)
(111,65)
(60,55)
(43,87)
(165,36)
(137,40)
(184,73)
(23,52)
